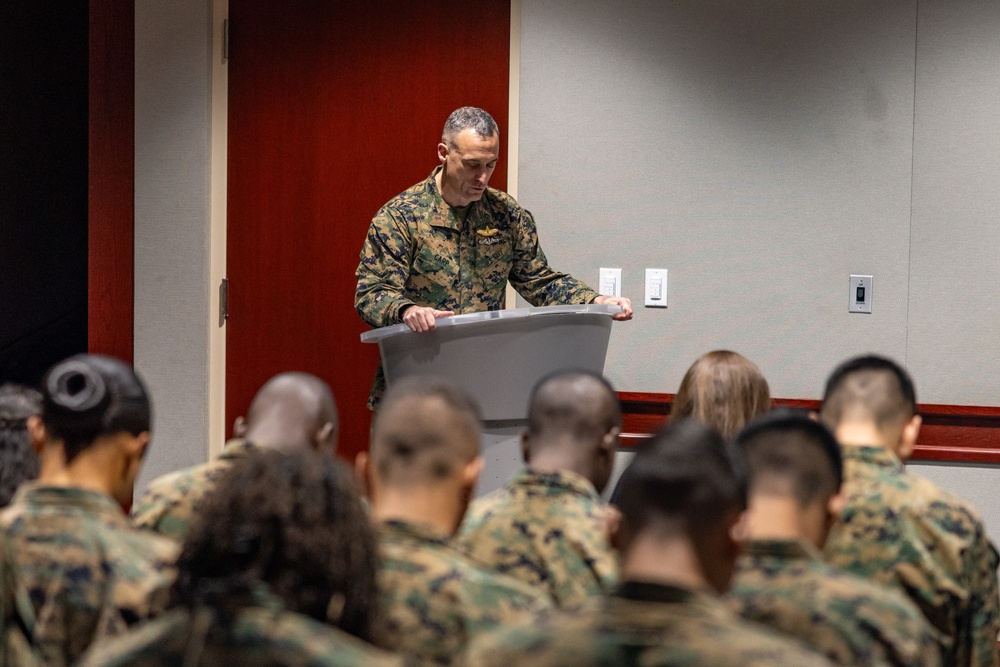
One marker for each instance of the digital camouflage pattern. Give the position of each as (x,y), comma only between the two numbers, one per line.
(87,573)
(419,251)
(168,504)
(901,530)
(262,634)
(435,599)
(643,624)
(548,530)
(785,585)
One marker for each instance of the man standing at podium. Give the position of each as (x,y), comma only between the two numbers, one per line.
(450,244)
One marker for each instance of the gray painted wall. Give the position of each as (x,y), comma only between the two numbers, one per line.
(762,151)
(172,161)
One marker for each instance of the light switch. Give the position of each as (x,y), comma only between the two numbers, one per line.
(860,295)
(610,283)
(656,288)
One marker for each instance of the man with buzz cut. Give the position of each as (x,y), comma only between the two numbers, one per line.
(548,526)
(795,472)
(450,243)
(290,413)
(899,529)
(423,464)
(682,506)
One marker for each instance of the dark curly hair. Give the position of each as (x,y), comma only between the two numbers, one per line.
(18,461)
(294,522)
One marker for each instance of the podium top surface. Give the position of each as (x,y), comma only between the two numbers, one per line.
(376,335)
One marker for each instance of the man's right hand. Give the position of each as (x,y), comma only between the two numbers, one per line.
(422,318)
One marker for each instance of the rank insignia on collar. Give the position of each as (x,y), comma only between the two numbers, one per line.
(487,232)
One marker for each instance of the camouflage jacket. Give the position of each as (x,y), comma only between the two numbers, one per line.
(15,615)
(643,624)
(419,252)
(169,502)
(86,571)
(435,599)
(548,530)
(785,585)
(903,531)
(263,634)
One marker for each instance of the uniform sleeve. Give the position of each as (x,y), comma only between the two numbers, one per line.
(531,274)
(984,603)
(382,273)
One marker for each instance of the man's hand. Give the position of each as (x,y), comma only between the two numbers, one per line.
(626,305)
(422,318)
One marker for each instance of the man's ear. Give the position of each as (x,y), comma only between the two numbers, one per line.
(38,433)
(609,444)
(239,427)
(525,449)
(442,152)
(835,505)
(471,472)
(613,525)
(908,438)
(326,438)
(135,446)
(362,470)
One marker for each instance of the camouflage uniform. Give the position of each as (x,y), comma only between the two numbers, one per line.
(435,599)
(169,502)
(643,624)
(15,615)
(547,529)
(786,585)
(258,634)
(901,530)
(420,252)
(86,571)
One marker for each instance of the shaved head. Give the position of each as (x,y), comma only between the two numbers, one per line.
(426,430)
(290,409)
(869,389)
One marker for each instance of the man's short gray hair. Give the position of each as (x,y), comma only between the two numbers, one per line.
(469,118)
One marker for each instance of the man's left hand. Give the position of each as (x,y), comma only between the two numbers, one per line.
(626,305)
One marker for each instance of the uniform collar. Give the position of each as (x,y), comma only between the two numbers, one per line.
(782,549)
(440,214)
(562,480)
(416,531)
(644,591)
(871,454)
(237,448)
(69,498)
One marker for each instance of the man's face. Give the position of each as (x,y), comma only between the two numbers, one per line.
(468,164)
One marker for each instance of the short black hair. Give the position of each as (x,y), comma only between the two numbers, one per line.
(88,396)
(18,461)
(788,453)
(552,411)
(687,472)
(877,385)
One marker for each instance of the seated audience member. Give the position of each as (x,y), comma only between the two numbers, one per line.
(795,472)
(724,391)
(681,511)
(900,529)
(18,461)
(278,568)
(548,526)
(420,473)
(16,617)
(86,571)
(291,411)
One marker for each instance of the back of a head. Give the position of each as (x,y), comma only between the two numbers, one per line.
(576,404)
(426,430)
(469,118)
(294,522)
(86,397)
(291,409)
(686,476)
(790,455)
(18,462)
(723,390)
(869,389)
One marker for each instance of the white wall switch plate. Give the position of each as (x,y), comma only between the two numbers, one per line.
(610,283)
(656,288)
(860,296)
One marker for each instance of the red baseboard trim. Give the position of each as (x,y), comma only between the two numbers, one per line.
(957,433)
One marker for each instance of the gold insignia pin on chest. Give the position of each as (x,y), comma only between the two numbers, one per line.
(487,232)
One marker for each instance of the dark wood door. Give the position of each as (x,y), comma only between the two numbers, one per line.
(335,107)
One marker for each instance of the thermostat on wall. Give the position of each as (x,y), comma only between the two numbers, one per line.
(860,296)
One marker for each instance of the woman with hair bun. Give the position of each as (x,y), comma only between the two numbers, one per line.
(87,572)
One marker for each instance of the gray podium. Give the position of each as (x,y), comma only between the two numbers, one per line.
(498,356)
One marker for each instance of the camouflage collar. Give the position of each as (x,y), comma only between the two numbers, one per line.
(644,591)
(642,603)
(875,455)
(441,214)
(781,549)
(71,498)
(554,482)
(237,448)
(415,531)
